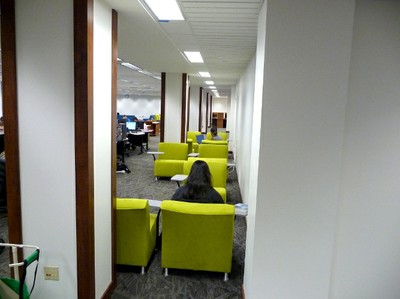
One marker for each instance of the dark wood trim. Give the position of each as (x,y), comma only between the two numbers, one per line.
(162,122)
(114,77)
(207,107)
(83,93)
(188,112)
(183,111)
(200,106)
(10,114)
(210,116)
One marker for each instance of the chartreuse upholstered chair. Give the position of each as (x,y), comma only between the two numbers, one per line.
(219,173)
(216,142)
(171,162)
(136,231)
(213,151)
(197,236)
(191,140)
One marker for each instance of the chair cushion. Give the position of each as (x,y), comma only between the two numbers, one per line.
(197,236)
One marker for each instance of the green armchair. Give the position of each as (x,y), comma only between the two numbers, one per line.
(213,151)
(171,162)
(136,231)
(191,140)
(219,173)
(197,236)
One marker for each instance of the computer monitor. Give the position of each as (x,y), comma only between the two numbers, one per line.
(131,125)
(140,125)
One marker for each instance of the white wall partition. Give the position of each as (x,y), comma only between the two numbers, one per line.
(367,259)
(44,41)
(303,64)
(173,107)
(219,104)
(102,144)
(194,108)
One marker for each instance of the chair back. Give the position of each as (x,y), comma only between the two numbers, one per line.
(197,236)
(135,242)
(213,151)
(191,139)
(173,151)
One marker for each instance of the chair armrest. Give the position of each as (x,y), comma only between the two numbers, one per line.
(155,153)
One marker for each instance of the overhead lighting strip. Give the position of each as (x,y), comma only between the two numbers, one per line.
(165,10)
(204,74)
(194,56)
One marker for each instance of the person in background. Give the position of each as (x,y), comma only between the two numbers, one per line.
(214,133)
(198,186)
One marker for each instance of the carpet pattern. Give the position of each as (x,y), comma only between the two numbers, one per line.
(4,256)
(140,183)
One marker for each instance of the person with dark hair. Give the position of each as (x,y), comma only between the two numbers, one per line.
(198,186)
(214,133)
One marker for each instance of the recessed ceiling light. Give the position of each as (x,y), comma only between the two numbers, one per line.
(209,82)
(194,57)
(212,87)
(205,74)
(165,10)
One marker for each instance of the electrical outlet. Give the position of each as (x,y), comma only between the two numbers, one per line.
(51,273)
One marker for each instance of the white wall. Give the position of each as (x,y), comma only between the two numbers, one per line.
(141,106)
(102,144)
(194,108)
(219,104)
(46,136)
(304,67)
(243,127)
(326,221)
(367,259)
(173,107)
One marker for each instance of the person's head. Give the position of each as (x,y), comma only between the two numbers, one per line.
(213,131)
(199,179)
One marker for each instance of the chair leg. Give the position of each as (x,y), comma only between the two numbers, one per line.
(166,272)
(143,271)
(226,277)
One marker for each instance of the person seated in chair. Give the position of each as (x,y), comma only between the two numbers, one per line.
(214,133)
(198,186)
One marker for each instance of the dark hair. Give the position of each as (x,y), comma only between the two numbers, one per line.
(214,131)
(199,180)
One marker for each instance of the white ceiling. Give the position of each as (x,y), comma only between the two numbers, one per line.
(224,31)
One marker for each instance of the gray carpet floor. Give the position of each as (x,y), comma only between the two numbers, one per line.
(4,257)
(140,183)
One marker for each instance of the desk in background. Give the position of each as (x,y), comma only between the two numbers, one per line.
(139,139)
(155,127)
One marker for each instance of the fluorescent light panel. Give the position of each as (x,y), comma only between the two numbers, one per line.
(205,74)
(209,82)
(165,10)
(194,57)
